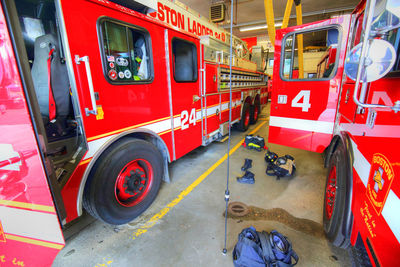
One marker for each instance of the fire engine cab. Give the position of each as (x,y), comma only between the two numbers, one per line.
(345,102)
(96,99)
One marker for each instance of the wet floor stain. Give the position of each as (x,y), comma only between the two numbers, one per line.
(280,215)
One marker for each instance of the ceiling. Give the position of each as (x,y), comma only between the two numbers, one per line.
(251,12)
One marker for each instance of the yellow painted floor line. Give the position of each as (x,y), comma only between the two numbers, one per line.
(153,220)
(223,140)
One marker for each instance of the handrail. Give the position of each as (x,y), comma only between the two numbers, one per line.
(85,59)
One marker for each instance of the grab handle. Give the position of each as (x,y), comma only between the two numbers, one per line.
(78,61)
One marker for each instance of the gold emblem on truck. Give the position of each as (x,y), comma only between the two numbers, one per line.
(380,180)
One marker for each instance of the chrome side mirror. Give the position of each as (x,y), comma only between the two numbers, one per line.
(379,60)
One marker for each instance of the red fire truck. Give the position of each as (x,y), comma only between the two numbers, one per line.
(351,113)
(96,99)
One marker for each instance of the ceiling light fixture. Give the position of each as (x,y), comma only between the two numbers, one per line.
(257,27)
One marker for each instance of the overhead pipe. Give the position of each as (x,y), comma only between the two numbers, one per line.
(269,16)
(286,16)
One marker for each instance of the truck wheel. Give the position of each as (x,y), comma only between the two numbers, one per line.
(334,201)
(124,181)
(245,120)
(255,112)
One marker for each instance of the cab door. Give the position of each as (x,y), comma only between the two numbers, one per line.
(119,64)
(184,62)
(308,70)
(30,231)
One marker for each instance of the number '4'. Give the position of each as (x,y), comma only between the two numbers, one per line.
(305,105)
(185,117)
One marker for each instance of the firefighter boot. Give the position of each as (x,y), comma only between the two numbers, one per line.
(247,165)
(247,178)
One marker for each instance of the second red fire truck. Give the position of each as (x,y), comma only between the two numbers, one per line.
(345,101)
(96,99)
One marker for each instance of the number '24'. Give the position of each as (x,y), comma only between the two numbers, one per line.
(185,117)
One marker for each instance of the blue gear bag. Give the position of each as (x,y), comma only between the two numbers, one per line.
(262,249)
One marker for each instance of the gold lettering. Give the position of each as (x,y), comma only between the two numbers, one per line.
(390,175)
(2,258)
(18,262)
(367,216)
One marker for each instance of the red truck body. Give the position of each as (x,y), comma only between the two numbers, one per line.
(319,114)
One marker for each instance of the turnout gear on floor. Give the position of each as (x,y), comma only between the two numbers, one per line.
(270,157)
(263,249)
(247,165)
(254,142)
(247,178)
(282,166)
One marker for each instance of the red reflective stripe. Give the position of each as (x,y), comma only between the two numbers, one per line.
(52,103)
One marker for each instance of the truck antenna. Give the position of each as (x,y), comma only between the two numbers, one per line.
(229,135)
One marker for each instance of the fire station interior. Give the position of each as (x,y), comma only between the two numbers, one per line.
(187,222)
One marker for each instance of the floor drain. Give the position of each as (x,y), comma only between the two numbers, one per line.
(238,209)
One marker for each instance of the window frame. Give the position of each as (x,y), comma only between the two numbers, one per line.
(353,35)
(294,34)
(104,62)
(395,73)
(173,60)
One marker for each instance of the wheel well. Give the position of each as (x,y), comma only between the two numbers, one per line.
(344,139)
(247,100)
(155,140)
(330,149)
(142,134)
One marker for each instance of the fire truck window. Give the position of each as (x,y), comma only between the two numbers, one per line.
(287,60)
(184,61)
(126,53)
(356,37)
(393,37)
(310,55)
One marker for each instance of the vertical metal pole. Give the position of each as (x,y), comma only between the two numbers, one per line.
(229,136)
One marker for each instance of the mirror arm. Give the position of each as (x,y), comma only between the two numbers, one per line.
(396,107)
(367,29)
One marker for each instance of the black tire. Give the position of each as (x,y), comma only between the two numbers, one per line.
(255,112)
(136,165)
(333,218)
(244,122)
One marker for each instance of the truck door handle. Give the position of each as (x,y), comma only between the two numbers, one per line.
(196,98)
(78,61)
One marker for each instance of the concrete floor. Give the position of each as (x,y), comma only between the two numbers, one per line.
(191,233)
